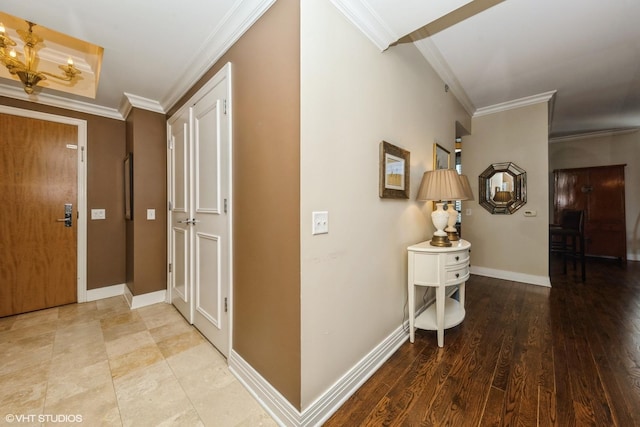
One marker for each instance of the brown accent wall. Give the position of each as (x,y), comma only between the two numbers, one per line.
(105,152)
(266,195)
(146,240)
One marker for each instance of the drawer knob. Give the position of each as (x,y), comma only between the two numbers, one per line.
(457,275)
(457,258)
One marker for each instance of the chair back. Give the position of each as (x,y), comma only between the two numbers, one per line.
(572,219)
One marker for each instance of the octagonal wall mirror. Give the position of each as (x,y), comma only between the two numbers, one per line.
(503,188)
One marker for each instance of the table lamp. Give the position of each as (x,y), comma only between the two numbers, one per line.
(440,185)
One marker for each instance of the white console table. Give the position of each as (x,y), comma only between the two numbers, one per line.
(438,267)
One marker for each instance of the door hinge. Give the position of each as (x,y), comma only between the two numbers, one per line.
(226,308)
(225,205)
(82,154)
(170,205)
(170,267)
(224,106)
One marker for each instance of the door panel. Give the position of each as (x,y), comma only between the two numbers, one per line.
(606,227)
(569,192)
(208,301)
(38,176)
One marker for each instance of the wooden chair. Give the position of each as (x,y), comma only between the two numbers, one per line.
(567,239)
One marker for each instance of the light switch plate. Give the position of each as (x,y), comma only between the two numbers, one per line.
(151,214)
(320,222)
(98,214)
(530,213)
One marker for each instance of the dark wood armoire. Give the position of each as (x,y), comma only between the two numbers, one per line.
(599,191)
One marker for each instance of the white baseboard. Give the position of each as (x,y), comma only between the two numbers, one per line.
(513,276)
(269,398)
(322,408)
(633,257)
(106,292)
(137,301)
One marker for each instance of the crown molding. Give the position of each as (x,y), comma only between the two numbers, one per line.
(130,100)
(594,134)
(234,25)
(360,14)
(59,102)
(516,103)
(442,69)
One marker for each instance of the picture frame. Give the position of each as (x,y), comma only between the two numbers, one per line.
(394,172)
(128,186)
(441,157)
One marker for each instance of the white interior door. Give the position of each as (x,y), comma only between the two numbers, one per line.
(179,215)
(200,250)
(212,225)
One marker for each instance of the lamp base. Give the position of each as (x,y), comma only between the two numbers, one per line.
(440,241)
(453,236)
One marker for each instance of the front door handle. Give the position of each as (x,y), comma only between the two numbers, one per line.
(68,215)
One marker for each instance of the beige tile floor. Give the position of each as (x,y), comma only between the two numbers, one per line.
(112,366)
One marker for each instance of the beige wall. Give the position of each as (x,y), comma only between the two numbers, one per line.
(509,246)
(353,97)
(105,153)
(266,195)
(600,151)
(147,239)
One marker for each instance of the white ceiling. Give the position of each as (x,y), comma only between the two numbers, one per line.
(587,52)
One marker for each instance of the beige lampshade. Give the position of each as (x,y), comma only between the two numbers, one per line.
(467,187)
(441,184)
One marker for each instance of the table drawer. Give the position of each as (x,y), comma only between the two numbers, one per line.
(454,258)
(457,275)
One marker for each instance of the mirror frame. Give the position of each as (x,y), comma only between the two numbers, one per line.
(519,198)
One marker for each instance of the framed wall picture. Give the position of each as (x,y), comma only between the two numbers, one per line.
(394,172)
(441,157)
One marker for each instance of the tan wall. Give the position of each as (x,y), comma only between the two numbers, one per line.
(511,245)
(147,239)
(353,97)
(616,149)
(106,150)
(266,195)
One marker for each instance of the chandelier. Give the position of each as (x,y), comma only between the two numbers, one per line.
(26,70)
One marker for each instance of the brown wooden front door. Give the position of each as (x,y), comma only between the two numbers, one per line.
(38,176)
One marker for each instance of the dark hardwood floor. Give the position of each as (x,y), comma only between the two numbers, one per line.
(525,355)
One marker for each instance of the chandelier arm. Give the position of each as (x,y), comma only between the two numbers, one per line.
(66,78)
